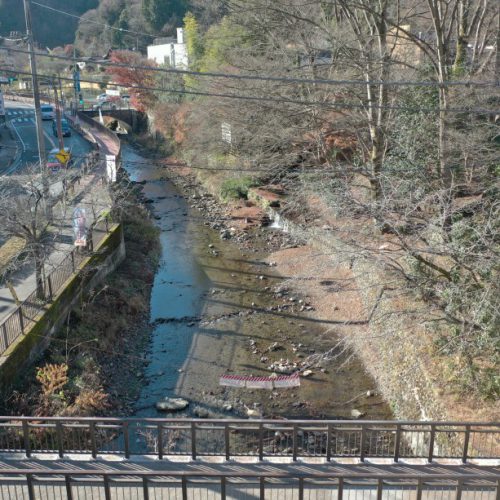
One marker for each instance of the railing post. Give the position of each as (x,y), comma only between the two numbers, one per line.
(21,319)
(184,488)
(126,439)
(31,491)
(294,442)
(49,283)
(362,443)
(4,335)
(160,441)
(193,440)
(466,444)
(262,488)
(107,492)
(26,435)
(340,489)
(69,491)
(223,488)
(419,489)
(73,259)
(145,489)
(93,444)
(380,485)
(328,442)
(60,441)
(261,441)
(460,485)
(301,488)
(397,442)
(431,443)
(226,440)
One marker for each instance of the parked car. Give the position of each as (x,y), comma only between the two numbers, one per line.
(47,112)
(102,98)
(65,129)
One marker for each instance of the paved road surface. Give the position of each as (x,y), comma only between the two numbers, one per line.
(21,117)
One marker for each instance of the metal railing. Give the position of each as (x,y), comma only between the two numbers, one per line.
(19,321)
(107,484)
(230,438)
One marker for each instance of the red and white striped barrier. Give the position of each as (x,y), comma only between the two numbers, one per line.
(272,382)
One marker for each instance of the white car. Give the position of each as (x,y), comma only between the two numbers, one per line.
(102,98)
(47,112)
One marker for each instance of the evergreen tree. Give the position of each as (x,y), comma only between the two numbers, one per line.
(159,12)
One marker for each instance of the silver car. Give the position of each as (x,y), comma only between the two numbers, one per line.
(47,112)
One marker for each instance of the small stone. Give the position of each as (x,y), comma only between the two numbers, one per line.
(369,394)
(307,373)
(357,414)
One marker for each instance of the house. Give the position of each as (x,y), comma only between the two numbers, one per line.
(170,51)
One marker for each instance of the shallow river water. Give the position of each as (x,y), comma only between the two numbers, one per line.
(211,315)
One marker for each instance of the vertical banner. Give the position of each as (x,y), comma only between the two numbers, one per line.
(80,227)
(2,104)
(111,168)
(226,132)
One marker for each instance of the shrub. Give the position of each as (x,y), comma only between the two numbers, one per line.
(236,188)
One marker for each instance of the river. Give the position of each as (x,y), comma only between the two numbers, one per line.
(215,310)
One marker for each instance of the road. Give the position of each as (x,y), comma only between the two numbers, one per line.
(21,117)
(89,194)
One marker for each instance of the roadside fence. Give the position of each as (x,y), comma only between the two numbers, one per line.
(18,322)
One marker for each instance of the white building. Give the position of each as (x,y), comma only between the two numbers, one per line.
(170,51)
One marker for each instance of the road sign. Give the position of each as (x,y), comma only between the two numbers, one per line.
(2,105)
(63,156)
(111,168)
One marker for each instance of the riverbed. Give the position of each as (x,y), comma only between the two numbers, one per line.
(219,309)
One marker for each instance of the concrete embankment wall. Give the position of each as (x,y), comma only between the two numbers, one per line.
(104,260)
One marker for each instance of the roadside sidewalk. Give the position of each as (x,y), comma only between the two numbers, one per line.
(92,195)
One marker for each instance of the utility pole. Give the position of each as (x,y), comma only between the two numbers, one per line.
(36,91)
(38,112)
(58,119)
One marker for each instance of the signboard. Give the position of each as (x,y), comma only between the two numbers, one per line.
(226,132)
(80,227)
(249,382)
(2,105)
(63,156)
(111,168)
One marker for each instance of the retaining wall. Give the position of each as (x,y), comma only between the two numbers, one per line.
(104,260)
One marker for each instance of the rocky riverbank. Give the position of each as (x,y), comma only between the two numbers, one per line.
(250,319)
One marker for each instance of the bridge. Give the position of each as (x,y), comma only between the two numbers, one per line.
(111,458)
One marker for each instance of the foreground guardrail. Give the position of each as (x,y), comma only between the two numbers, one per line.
(257,438)
(108,484)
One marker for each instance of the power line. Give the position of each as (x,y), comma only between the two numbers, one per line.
(324,104)
(315,81)
(81,18)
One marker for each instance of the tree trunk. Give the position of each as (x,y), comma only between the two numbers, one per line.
(461,45)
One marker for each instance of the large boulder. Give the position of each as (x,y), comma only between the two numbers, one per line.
(172,404)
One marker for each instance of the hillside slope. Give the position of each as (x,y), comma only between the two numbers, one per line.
(50,28)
